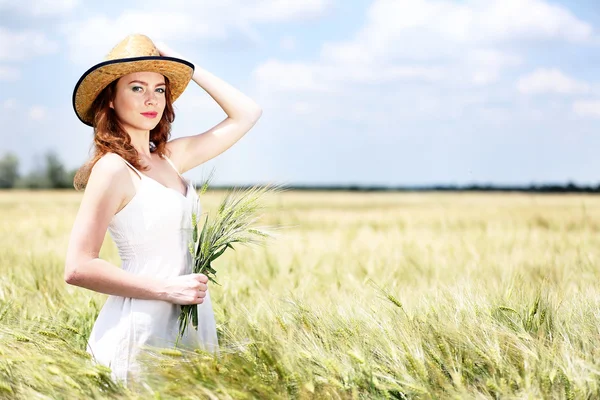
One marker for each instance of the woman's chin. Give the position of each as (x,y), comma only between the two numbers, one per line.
(151,126)
(146,125)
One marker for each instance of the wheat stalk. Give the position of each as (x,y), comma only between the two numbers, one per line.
(232,223)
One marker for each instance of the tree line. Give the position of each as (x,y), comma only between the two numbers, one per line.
(49,172)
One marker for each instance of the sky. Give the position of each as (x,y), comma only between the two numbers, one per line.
(381,92)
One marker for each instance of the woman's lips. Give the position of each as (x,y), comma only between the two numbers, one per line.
(150,114)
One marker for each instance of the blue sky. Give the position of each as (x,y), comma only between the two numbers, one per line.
(386,92)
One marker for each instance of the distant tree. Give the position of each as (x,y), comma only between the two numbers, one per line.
(9,171)
(56,173)
(48,173)
(35,179)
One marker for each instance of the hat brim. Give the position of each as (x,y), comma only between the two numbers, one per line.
(94,80)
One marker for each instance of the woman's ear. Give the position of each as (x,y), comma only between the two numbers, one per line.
(110,104)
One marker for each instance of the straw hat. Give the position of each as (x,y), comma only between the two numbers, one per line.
(136,53)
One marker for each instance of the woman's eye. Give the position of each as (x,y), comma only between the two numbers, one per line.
(161,90)
(135,88)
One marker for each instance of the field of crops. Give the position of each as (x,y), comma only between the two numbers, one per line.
(362,295)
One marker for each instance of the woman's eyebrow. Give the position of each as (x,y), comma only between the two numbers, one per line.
(146,84)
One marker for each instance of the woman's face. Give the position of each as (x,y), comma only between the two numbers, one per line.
(140,100)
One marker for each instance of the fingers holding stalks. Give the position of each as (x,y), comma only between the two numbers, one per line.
(186,289)
(202,287)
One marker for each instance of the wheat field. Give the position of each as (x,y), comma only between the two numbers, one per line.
(361,296)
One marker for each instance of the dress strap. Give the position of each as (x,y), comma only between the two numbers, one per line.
(173,165)
(187,183)
(132,167)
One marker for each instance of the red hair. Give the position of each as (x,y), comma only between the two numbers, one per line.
(111,137)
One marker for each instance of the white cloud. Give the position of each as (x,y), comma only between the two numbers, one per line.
(9,73)
(288,43)
(419,27)
(278,75)
(90,39)
(243,10)
(465,48)
(430,40)
(542,81)
(17,46)
(37,113)
(372,73)
(39,8)
(283,10)
(587,108)
(9,104)
(527,19)
(467,35)
(487,65)
(281,76)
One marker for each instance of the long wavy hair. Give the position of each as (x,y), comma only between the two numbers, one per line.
(110,136)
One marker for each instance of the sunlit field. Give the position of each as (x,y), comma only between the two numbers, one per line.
(362,295)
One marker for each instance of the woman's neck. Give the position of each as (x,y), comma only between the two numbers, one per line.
(140,140)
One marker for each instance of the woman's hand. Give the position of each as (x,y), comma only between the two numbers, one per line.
(166,51)
(186,289)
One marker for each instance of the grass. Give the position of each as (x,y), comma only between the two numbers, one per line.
(365,295)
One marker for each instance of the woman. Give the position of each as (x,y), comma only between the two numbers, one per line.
(134,188)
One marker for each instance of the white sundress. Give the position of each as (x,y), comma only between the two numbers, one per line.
(152,233)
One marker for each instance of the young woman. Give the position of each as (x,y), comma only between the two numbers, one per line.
(134,188)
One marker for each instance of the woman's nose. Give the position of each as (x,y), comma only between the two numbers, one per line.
(151,98)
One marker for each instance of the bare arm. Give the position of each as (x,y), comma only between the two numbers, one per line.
(242,114)
(108,187)
(101,276)
(107,190)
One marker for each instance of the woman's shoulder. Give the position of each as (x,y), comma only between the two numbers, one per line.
(109,182)
(110,167)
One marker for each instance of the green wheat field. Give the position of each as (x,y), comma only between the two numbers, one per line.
(361,296)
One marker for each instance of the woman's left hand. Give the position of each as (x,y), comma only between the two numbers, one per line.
(166,51)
